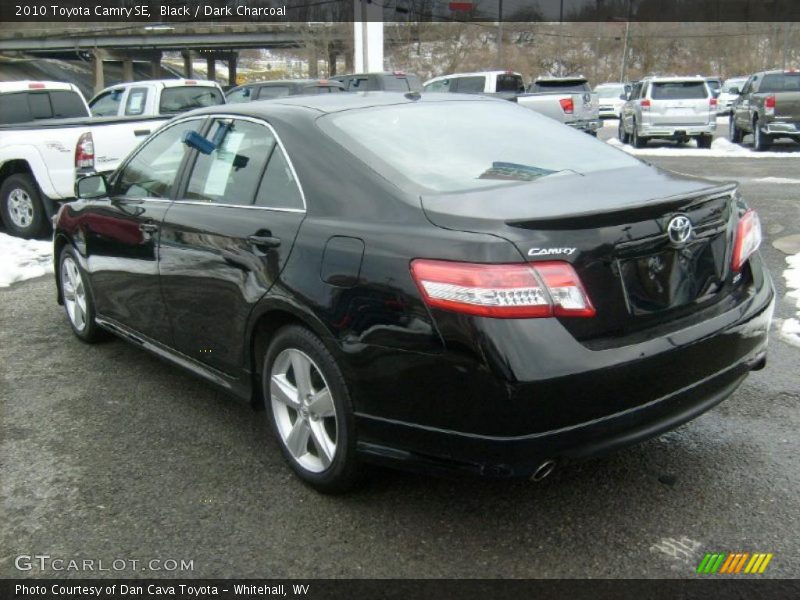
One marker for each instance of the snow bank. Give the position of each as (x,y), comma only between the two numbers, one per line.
(23,259)
(790,329)
(720,148)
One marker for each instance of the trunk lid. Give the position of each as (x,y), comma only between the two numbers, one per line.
(787,106)
(616,237)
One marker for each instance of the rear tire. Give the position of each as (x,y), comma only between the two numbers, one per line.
(309,410)
(638,141)
(21,207)
(704,141)
(761,141)
(621,134)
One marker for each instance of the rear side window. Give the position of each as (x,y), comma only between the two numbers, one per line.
(183,98)
(136,101)
(678,90)
(510,83)
(273,91)
(441,86)
(278,188)
(232,172)
(67,104)
(107,104)
(470,85)
(780,82)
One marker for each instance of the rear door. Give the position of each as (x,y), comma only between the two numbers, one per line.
(121,234)
(226,239)
(675,103)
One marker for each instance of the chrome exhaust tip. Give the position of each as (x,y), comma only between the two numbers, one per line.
(543,470)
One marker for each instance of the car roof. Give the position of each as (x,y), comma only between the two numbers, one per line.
(674,78)
(29,85)
(331,103)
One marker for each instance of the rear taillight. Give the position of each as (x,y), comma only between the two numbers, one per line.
(84,152)
(644,103)
(567,105)
(504,291)
(748,239)
(769,105)
(712,103)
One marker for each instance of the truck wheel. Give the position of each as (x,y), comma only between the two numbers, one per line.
(622,136)
(734,132)
(704,141)
(21,207)
(761,141)
(638,141)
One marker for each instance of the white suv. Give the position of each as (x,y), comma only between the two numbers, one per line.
(675,108)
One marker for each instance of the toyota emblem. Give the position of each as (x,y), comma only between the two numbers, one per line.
(679,229)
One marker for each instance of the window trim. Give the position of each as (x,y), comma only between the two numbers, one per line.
(129,95)
(184,177)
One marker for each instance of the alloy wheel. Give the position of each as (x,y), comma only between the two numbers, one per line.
(304,410)
(20,208)
(74,293)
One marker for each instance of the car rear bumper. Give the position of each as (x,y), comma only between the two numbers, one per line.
(778,128)
(676,131)
(589,125)
(463,419)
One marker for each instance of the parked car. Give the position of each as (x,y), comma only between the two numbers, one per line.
(672,108)
(156,97)
(611,98)
(729,93)
(389,81)
(395,292)
(26,101)
(506,84)
(768,107)
(569,100)
(265,90)
(40,151)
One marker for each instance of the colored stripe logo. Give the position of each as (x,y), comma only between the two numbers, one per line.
(734,563)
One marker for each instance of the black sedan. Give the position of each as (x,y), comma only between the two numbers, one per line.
(442,282)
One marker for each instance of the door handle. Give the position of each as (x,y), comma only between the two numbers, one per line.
(141,132)
(148,227)
(267,241)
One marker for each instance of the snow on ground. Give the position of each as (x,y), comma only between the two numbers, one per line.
(790,329)
(785,180)
(23,259)
(720,148)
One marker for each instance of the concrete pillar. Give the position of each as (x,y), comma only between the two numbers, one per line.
(155,65)
(188,70)
(127,70)
(97,72)
(348,62)
(232,69)
(313,61)
(332,54)
(211,68)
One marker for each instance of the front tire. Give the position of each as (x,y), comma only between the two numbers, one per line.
(309,410)
(21,207)
(78,300)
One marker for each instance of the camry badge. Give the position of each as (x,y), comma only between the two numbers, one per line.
(679,229)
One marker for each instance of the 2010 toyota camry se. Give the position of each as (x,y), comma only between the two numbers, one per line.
(450,283)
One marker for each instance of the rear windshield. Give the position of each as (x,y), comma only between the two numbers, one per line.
(273,91)
(452,146)
(182,98)
(510,83)
(20,107)
(566,85)
(610,92)
(397,83)
(679,90)
(780,82)
(321,89)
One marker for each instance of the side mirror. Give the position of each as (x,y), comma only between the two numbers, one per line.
(91,186)
(734,91)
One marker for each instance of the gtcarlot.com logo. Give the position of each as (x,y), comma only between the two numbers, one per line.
(734,563)
(45,562)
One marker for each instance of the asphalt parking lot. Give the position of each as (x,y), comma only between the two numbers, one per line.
(108,453)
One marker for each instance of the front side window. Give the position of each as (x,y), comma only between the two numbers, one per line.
(188,97)
(107,104)
(432,145)
(232,172)
(152,171)
(441,86)
(243,94)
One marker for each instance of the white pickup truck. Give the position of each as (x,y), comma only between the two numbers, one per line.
(40,153)
(569,100)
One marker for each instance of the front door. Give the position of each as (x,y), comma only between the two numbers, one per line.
(122,233)
(226,238)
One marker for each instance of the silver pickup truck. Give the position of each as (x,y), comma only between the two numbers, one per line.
(569,100)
